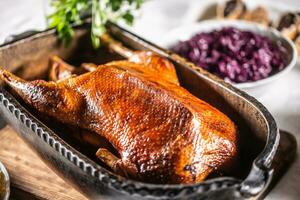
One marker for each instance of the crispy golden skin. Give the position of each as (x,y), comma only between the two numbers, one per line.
(163,134)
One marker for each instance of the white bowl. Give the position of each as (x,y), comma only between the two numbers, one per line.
(256,88)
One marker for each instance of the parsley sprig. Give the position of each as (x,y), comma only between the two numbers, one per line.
(69,12)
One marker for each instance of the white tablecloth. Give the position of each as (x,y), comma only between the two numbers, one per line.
(160,16)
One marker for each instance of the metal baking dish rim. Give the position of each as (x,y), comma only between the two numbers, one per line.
(255,182)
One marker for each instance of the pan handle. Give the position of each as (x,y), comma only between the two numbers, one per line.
(16,37)
(256,182)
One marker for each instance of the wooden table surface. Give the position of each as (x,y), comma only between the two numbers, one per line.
(30,177)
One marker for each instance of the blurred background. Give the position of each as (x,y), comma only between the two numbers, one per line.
(156,19)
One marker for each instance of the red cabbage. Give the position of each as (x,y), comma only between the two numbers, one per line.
(234,55)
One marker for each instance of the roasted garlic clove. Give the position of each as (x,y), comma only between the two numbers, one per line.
(289,25)
(297,43)
(259,15)
(233,9)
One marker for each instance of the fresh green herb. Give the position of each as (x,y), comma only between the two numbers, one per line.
(69,12)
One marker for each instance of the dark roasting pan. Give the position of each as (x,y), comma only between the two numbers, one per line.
(258,134)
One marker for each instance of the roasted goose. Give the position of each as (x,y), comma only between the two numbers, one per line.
(162,133)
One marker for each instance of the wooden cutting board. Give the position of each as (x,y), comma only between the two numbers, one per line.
(30,177)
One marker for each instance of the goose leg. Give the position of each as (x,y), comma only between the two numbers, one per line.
(116,164)
(47,97)
(59,69)
(89,67)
